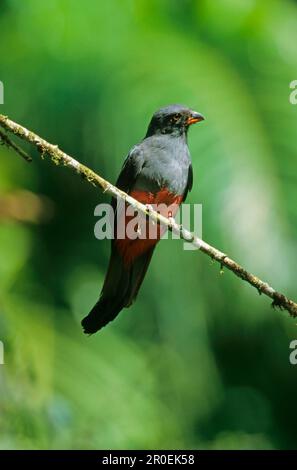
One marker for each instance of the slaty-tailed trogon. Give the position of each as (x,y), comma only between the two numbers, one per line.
(157,170)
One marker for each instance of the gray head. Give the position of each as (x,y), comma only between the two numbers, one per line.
(174,119)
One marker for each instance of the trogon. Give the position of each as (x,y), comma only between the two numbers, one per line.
(157,171)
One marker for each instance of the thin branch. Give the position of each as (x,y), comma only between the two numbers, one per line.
(60,157)
(5,140)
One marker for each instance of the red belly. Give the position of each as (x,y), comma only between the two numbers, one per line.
(149,233)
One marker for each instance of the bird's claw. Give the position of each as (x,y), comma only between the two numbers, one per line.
(150,208)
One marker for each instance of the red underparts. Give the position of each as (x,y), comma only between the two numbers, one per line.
(136,233)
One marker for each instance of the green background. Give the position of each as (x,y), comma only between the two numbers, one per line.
(200,360)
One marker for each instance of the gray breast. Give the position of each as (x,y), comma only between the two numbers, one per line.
(166,164)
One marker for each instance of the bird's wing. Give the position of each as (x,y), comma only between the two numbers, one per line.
(131,168)
(189,182)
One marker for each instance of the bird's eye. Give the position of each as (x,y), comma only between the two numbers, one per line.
(175,117)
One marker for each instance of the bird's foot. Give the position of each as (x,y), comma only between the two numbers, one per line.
(171,220)
(150,208)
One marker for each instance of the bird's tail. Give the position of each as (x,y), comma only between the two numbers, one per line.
(120,289)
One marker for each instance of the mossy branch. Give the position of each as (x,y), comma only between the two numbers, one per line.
(60,157)
(5,140)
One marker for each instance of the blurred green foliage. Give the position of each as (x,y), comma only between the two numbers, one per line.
(200,360)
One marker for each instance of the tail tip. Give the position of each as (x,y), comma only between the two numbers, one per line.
(89,326)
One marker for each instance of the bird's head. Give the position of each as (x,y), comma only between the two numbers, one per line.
(174,119)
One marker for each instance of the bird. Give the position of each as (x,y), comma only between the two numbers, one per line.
(158,170)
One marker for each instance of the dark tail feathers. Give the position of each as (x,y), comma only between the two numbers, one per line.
(120,289)
(101,314)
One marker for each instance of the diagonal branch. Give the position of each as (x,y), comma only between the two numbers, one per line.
(59,157)
(5,140)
